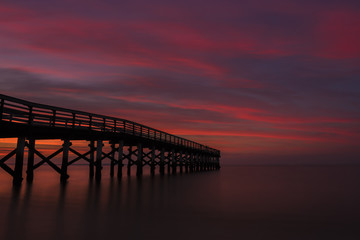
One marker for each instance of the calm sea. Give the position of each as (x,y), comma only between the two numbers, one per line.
(248,202)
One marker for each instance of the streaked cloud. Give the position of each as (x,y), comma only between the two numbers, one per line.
(236,71)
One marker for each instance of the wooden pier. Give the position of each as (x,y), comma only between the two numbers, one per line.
(130,143)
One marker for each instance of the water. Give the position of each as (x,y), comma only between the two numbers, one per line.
(252,202)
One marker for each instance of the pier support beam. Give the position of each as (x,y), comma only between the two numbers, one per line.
(201,162)
(98,165)
(173,161)
(187,156)
(120,158)
(112,163)
(65,160)
(181,161)
(19,160)
(152,160)
(91,159)
(30,162)
(129,163)
(169,156)
(206,161)
(139,163)
(191,162)
(198,162)
(162,162)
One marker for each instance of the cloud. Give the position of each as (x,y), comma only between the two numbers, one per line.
(285,71)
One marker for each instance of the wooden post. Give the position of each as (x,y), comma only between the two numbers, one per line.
(187,162)
(65,160)
(205,162)
(152,162)
(120,158)
(169,162)
(198,162)
(92,158)
(173,161)
(30,162)
(19,160)
(129,162)
(201,162)
(212,163)
(162,161)
(112,163)
(181,161)
(191,162)
(139,163)
(203,159)
(98,165)
(209,162)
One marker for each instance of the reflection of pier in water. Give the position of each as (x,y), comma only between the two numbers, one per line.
(131,144)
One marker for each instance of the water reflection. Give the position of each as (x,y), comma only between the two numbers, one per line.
(248,203)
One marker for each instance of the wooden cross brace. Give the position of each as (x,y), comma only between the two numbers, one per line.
(80,156)
(4,159)
(45,159)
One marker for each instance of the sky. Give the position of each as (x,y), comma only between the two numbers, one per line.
(264,81)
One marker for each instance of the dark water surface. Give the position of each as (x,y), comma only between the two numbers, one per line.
(252,202)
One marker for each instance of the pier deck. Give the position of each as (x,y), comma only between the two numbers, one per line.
(131,143)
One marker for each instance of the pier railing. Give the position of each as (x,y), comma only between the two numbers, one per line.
(24,112)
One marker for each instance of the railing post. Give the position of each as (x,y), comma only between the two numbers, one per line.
(104,124)
(30,119)
(53,118)
(73,120)
(90,123)
(1,108)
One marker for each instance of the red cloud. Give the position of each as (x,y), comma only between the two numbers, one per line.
(338,34)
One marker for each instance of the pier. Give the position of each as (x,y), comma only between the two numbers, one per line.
(130,143)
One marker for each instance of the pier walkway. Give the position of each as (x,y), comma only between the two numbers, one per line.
(130,143)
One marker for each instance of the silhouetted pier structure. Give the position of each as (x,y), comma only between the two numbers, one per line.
(131,144)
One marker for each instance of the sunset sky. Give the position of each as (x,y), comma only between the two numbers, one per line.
(263,81)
